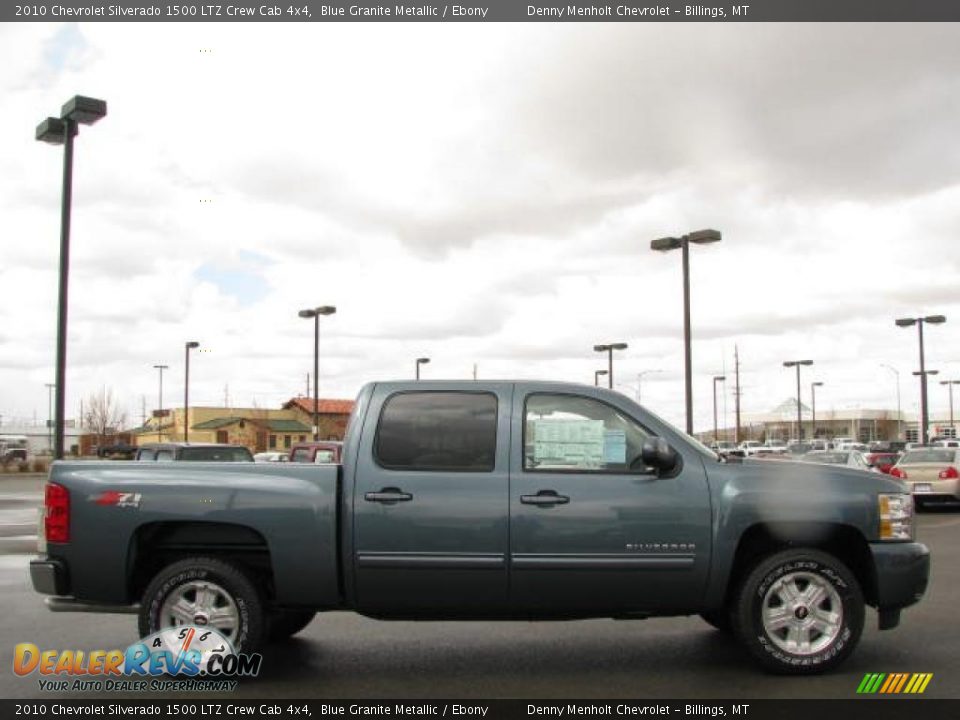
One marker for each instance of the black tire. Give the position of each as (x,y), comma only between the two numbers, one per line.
(230,583)
(720,619)
(804,595)
(286,623)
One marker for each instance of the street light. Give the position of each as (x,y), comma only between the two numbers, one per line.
(596,377)
(161,368)
(421,361)
(50,387)
(899,415)
(609,350)
(923,378)
(924,410)
(640,379)
(950,384)
(700,237)
(797,364)
(61,131)
(716,379)
(315,313)
(813,409)
(186,389)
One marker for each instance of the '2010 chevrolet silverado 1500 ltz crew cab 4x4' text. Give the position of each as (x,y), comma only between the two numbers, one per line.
(491,500)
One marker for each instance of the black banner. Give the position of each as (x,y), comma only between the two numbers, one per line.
(486,11)
(874,708)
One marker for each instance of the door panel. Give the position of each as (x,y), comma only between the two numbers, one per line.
(430,503)
(624,540)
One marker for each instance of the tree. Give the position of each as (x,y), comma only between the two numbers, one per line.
(102,415)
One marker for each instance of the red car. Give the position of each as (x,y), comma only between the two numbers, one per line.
(882,461)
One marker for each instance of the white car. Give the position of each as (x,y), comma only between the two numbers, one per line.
(848,458)
(753,447)
(270,457)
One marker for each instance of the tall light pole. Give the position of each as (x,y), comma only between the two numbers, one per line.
(716,379)
(950,384)
(596,377)
(640,379)
(188,346)
(161,368)
(50,387)
(77,111)
(924,410)
(315,313)
(420,361)
(609,348)
(899,414)
(813,409)
(700,237)
(797,364)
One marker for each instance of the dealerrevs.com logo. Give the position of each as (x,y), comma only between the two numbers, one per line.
(184,658)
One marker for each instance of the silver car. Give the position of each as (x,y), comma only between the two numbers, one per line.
(933,474)
(848,458)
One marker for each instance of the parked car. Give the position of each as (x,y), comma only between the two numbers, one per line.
(799,448)
(882,461)
(317,452)
(192,452)
(776,447)
(723,447)
(887,446)
(946,443)
(480,500)
(849,458)
(270,457)
(749,448)
(933,474)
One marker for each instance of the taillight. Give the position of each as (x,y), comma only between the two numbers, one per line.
(897,472)
(949,474)
(56,521)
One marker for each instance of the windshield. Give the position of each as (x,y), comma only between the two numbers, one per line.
(215,454)
(928,455)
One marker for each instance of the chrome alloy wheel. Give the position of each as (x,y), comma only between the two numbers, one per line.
(802,613)
(204,604)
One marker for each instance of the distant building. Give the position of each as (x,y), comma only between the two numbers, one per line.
(259,429)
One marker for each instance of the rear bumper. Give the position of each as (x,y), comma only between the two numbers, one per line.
(903,570)
(49,576)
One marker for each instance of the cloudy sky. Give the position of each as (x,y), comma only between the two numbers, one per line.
(482,194)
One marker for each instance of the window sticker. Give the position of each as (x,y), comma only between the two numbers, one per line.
(577,443)
(615,447)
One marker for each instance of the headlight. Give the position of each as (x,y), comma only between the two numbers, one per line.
(896,516)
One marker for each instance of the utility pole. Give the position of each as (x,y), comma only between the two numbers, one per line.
(736,361)
(308,385)
(474,371)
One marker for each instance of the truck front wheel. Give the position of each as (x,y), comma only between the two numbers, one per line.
(799,612)
(208,593)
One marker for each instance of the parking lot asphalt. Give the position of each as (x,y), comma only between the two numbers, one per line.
(343,655)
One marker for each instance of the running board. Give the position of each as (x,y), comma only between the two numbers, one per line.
(68,604)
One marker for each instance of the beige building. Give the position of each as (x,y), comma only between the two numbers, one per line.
(259,429)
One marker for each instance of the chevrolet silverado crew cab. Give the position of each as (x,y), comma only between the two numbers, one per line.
(491,500)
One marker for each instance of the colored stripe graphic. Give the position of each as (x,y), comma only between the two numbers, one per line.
(894,683)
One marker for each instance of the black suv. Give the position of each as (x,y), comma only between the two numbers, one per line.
(192,452)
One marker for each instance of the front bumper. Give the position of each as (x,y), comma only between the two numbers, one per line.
(49,576)
(902,571)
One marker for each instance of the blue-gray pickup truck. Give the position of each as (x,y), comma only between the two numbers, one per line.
(491,500)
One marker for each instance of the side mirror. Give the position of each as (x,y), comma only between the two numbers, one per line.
(658,454)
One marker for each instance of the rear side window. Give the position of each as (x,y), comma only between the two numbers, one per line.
(215,454)
(452,431)
(145,455)
(300,455)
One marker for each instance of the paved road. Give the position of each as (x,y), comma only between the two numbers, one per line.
(341,655)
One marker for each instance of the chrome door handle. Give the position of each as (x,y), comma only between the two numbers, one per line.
(545,497)
(388,495)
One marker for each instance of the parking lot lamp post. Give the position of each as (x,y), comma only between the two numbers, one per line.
(161,368)
(899,415)
(188,346)
(50,387)
(700,237)
(421,361)
(640,379)
(950,384)
(315,313)
(813,409)
(596,377)
(923,378)
(77,111)
(920,322)
(716,379)
(797,364)
(609,348)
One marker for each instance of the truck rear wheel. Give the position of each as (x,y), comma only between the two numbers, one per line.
(205,592)
(799,612)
